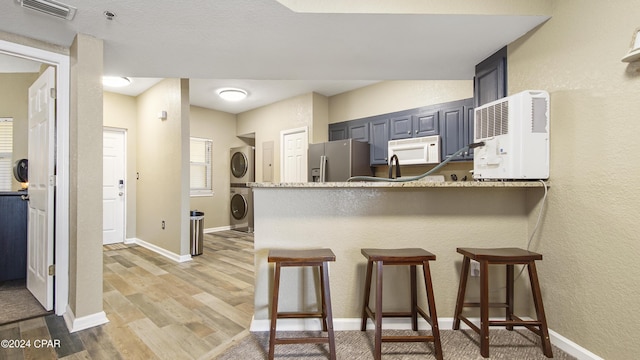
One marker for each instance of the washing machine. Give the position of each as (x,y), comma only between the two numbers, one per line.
(241,209)
(242,165)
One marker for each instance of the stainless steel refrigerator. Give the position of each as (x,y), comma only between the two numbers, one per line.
(338,160)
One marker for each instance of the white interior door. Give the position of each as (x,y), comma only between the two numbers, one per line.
(113,186)
(294,155)
(41,188)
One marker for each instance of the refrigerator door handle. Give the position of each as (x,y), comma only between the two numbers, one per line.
(323,168)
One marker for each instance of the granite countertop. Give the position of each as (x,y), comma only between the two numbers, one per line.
(410,184)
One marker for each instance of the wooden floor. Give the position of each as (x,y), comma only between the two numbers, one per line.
(157,309)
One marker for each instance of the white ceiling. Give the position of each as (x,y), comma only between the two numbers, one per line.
(269,50)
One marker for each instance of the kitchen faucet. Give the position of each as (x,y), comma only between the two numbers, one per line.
(391,167)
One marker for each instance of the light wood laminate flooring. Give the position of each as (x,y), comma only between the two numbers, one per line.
(157,308)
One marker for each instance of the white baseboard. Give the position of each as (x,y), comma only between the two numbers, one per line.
(216,229)
(351,324)
(76,324)
(166,253)
(129,241)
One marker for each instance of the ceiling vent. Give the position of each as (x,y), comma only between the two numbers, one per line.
(50,7)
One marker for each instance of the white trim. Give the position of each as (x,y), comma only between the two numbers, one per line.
(129,241)
(284,133)
(164,252)
(353,324)
(62,64)
(571,348)
(76,324)
(216,229)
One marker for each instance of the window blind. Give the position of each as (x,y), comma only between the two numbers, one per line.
(6,149)
(200,163)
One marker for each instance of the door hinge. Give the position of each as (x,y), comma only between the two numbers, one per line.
(52,270)
(52,180)
(52,93)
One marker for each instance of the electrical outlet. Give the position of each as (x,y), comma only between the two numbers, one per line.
(474,269)
(163,225)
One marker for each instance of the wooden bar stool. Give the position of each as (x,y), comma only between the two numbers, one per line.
(412,258)
(508,257)
(312,257)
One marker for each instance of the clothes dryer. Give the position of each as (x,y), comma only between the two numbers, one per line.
(241,209)
(242,165)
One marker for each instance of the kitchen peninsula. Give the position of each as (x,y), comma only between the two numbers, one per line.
(436,216)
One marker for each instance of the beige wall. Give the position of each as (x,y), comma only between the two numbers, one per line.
(389,96)
(120,111)
(14,103)
(349,219)
(85,167)
(162,162)
(589,232)
(221,128)
(268,121)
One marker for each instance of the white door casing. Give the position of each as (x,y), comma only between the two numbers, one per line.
(294,145)
(113,186)
(41,187)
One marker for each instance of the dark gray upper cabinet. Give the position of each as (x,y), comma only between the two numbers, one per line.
(379,139)
(358,130)
(338,131)
(453,121)
(490,82)
(456,129)
(426,124)
(401,127)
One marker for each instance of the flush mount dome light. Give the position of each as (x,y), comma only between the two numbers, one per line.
(232,94)
(115,81)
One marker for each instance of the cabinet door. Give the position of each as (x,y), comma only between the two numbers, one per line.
(337,131)
(468,130)
(452,134)
(379,142)
(401,127)
(490,82)
(359,130)
(426,124)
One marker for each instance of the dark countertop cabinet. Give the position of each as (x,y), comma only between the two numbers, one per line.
(13,236)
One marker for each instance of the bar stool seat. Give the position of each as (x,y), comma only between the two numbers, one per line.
(508,257)
(411,257)
(311,257)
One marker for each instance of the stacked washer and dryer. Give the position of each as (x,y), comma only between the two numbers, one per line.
(242,172)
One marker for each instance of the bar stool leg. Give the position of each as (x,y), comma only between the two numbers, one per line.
(484,309)
(378,332)
(432,310)
(509,299)
(464,273)
(322,299)
(367,292)
(326,299)
(274,311)
(537,301)
(414,299)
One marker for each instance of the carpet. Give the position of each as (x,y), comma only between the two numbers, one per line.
(17,303)
(355,345)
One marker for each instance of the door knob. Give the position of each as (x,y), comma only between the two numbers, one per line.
(120,193)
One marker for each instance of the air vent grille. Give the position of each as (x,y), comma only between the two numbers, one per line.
(52,8)
(492,120)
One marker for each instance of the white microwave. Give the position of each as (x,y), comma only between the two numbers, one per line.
(416,151)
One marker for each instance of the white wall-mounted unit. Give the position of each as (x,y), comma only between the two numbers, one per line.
(416,151)
(515,131)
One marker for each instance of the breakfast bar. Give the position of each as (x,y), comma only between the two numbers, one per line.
(346,217)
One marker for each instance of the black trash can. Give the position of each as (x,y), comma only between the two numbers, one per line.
(197,231)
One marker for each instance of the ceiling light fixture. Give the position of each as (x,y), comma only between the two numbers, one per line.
(115,81)
(232,94)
